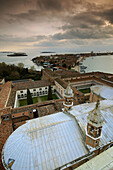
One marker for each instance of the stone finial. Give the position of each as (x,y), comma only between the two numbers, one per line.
(68,91)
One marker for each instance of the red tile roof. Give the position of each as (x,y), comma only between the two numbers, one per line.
(31,84)
(4,94)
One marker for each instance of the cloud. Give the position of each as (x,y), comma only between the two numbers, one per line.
(56,23)
(10,38)
(102,33)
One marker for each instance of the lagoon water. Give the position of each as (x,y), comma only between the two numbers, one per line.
(99,63)
(96,63)
(23,59)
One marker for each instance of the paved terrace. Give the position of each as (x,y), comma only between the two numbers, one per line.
(104,161)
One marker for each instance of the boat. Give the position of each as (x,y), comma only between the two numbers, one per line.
(17,54)
(83,67)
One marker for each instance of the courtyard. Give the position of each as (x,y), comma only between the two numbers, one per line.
(38,99)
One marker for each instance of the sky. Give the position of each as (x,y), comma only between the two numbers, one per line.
(56,25)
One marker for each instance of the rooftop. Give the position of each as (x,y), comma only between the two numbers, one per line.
(80,112)
(105,92)
(104,161)
(31,84)
(44,143)
(4,94)
(48,138)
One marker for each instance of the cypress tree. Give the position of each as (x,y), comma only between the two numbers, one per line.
(50,93)
(29,98)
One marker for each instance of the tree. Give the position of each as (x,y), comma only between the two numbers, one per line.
(21,65)
(29,98)
(50,93)
(32,68)
(69,67)
(15,75)
(64,65)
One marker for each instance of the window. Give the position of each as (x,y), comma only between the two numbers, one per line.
(21,91)
(5,117)
(23,114)
(18,96)
(37,94)
(96,142)
(13,116)
(98,133)
(92,131)
(40,88)
(34,89)
(45,87)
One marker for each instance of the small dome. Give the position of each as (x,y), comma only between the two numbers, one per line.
(103,91)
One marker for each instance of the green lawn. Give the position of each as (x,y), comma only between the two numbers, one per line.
(85,90)
(36,100)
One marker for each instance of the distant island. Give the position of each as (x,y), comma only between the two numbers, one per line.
(47,52)
(17,54)
(6,52)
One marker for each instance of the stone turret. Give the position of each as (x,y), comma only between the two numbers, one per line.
(94,126)
(68,98)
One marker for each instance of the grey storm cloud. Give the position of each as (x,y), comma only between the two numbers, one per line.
(14,11)
(82,34)
(72,19)
(107,14)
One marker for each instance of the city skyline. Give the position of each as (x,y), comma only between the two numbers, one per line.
(49,25)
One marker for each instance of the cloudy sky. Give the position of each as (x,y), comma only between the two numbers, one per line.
(57,25)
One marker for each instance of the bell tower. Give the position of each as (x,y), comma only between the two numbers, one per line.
(94,126)
(68,98)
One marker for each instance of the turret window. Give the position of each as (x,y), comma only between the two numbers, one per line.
(96,142)
(92,131)
(98,133)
